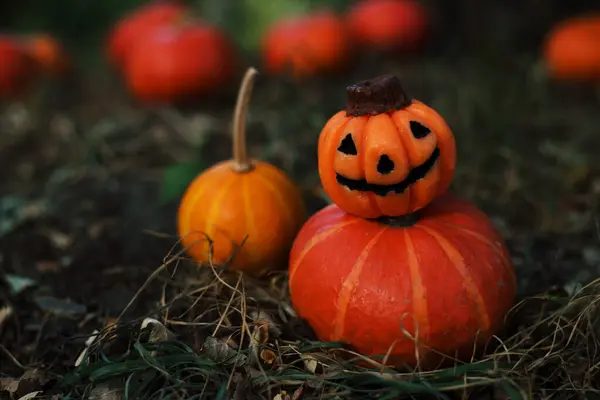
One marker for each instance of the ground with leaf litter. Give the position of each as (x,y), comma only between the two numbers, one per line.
(90,263)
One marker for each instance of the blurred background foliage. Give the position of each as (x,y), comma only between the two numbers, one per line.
(489,27)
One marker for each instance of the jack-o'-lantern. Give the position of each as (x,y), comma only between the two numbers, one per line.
(386,154)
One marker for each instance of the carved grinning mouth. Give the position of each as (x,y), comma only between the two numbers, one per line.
(414,175)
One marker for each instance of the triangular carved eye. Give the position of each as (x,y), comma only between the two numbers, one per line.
(347,146)
(419,130)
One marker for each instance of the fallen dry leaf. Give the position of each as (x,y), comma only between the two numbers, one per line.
(29,384)
(5,313)
(10,385)
(264,329)
(268,328)
(59,239)
(158,332)
(311,364)
(282,396)
(220,352)
(30,396)
(268,356)
(106,392)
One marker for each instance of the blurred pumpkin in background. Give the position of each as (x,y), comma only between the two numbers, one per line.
(140,23)
(388,24)
(572,48)
(246,211)
(254,17)
(306,45)
(18,70)
(177,62)
(49,54)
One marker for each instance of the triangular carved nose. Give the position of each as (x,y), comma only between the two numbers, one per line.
(385,165)
(347,146)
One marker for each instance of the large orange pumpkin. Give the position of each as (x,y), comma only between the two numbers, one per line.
(173,63)
(18,70)
(571,49)
(306,45)
(385,155)
(388,24)
(139,23)
(249,209)
(446,280)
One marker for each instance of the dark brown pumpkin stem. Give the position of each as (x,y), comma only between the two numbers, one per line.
(376,96)
(404,221)
(241,162)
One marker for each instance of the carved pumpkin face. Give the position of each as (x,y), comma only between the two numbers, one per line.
(378,159)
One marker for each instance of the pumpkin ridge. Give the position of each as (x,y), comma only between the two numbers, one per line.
(249,220)
(331,136)
(420,312)
(287,209)
(331,129)
(349,285)
(185,222)
(361,164)
(505,262)
(196,195)
(470,286)
(446,141)
(209,227)
(315,240)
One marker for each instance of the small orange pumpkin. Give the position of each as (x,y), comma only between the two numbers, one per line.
(385,155)
(49,54)
(571,49)
(440,281)
(306,45)
(388,24)
(249,209)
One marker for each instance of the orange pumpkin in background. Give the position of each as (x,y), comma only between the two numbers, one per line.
(173,63)
(385,155)
(18,70)
(49,53)
(249,209)
(443,280)
(306,45)
(388,24)
(571,49)
(140,23)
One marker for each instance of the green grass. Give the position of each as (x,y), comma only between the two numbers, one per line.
(174,369)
